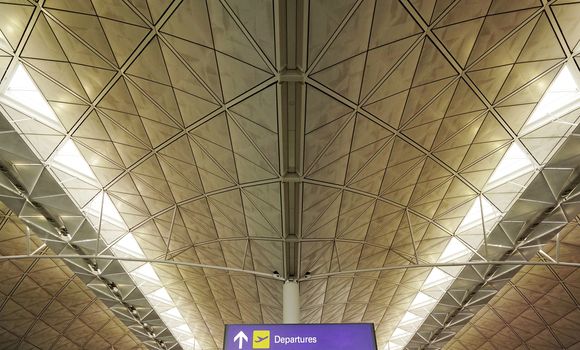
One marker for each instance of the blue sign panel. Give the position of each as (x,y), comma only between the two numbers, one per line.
(359,336)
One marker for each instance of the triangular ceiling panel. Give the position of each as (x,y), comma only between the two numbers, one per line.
(229,39)
(13,20)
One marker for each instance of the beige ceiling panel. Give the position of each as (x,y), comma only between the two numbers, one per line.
(355,215)
(332,313)
(88,28)
(322,110)
(403,170)
(238,77)
(228,214)
(257,16)
(384,223)
(150,64)
(213,176)
(152,185)
(210,254)
(344,77)
(401,77)
(229,38)
(128,201)
(235,253)
(201,60)
(198,220)
(267,256)
(178,70)
(352,39)
(383,60)
(182,24)
(369,141)
(270,292)
(157,105)
(62,73)
(495,28)
(14,19)
(180,170)
(312,294)
(251,162)
(318,140)
(213,139)
(566,16)
(315,257)
(262,210)
(173,231)
(327,16)
(320,207)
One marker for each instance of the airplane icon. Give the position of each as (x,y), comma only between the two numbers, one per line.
(260,339)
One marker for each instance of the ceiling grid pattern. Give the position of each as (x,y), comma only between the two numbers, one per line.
(537,309)
(405,109)
(44,305)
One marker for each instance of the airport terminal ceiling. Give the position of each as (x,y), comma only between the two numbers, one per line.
(165,165)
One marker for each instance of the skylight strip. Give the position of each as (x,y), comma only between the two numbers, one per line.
(514,163)
(561,98)
(22,94)
(482,214)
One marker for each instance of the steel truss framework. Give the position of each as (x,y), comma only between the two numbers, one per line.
(32,188)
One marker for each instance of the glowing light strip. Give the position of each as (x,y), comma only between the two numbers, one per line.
(562,97)
(23,94)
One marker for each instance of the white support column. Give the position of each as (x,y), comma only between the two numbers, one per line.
(291,302)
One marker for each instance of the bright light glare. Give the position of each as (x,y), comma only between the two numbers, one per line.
(109,212)
(514,163)
(455,251)
(70,158)
(421,300)
(393,346)
(128,246)
(146,273)
(190,344)
(410,318)
(562,97)
(160,295)
(23,94)
(473,218)
(174,314)
(436,277)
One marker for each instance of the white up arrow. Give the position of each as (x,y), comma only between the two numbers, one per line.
(241,337)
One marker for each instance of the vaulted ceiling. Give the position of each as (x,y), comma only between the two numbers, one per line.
(346,140)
